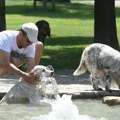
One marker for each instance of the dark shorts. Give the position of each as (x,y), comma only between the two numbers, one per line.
(16,55)
(21,57)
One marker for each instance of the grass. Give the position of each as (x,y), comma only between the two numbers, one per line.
(72,28)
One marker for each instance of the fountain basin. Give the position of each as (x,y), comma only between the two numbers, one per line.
(77,91)
(83,97)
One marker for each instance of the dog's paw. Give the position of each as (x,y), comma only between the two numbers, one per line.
(108,89)
(98,89)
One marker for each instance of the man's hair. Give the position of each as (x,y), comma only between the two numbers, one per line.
(24,33)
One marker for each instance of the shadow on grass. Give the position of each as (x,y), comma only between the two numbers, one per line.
(77,40)
(71,10)
(68,56)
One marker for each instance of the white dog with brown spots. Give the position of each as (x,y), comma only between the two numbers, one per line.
(103,63)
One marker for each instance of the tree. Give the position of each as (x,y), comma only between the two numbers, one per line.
(53,5)
(44,4)
(2,15)
(105,24)
(45,7)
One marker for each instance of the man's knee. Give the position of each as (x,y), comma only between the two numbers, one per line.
(3,71)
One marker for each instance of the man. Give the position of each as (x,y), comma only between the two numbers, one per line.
(20,42)
(43,31)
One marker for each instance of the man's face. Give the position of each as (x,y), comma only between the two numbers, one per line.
(26,42)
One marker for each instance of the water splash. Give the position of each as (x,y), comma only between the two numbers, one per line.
(63,109)
(48,88)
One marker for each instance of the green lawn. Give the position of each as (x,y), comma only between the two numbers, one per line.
(72,28)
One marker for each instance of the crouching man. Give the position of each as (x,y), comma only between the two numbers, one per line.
(22,43)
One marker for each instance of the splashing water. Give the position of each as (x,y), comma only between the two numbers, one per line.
(60,109)
(48,87)
(63,109)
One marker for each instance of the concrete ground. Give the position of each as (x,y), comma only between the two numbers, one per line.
(79,87)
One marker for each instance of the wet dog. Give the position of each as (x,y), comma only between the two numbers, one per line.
(25,92)
(103,62)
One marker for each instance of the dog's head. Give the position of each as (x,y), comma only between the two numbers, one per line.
(43,30)
(43,71)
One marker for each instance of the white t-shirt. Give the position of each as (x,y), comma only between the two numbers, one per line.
(8,43)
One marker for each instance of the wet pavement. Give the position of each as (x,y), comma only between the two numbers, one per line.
(79,87)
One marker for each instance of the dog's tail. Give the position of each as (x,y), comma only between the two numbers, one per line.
(3,101)
(82,67)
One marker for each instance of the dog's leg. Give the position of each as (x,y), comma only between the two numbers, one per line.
(94,80)
(95,83)
(33,96)
(119,86)
(107,81)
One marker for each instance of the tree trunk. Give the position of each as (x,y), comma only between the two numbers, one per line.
(44,5)
(34,3)
(2,15)
(105,23)
(53,5)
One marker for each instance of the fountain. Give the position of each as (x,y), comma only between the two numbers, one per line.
(61,109)
(54,107)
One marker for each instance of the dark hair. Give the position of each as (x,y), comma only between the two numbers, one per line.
(24,33)
(43,30)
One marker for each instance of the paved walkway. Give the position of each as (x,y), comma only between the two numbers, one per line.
(78,87)
(117,2)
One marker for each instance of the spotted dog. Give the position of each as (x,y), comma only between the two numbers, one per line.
(103,63)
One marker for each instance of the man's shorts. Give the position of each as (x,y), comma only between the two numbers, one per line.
(16,55)
(21,57)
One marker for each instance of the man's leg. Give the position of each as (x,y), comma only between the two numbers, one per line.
(3,71)
(16,59)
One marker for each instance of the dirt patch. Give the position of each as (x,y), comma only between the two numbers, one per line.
(66,77)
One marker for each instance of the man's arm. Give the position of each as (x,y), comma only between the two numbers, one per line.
(12,68)
(5,56)
(38,47)
(30,63)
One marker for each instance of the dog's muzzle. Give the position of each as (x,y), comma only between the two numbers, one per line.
(49,67)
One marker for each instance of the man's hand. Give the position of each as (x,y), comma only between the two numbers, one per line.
(30,78)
